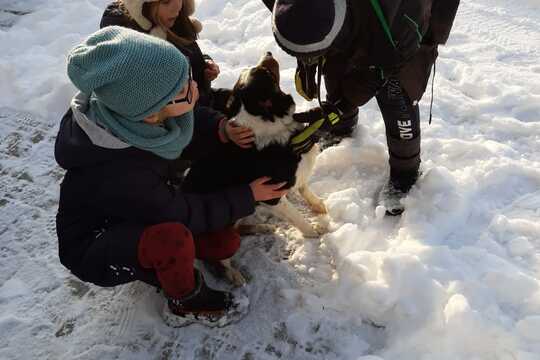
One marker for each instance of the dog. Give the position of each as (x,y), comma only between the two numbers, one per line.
(257,102)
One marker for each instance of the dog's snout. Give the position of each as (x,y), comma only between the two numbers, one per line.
(269,63)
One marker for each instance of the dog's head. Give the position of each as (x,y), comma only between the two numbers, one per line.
(258,91)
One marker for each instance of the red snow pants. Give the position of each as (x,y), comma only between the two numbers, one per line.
(170,249)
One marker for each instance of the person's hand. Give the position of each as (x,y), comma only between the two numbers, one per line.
(263,191)
(211,71)
(328,115)
(240,135)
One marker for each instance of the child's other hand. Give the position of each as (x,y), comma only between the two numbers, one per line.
(241,136)
(211,71)
(262,191)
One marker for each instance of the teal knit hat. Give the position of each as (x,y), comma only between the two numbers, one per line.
(131,73)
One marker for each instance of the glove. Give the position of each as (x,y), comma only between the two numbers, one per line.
(319,120)
(327,118)
(328,115)
(304,80)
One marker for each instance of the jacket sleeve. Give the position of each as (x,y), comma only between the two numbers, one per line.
(443,13)
(357,86)
(205,139)
(141,195)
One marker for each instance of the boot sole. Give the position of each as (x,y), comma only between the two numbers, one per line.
(182,320)
(208,318)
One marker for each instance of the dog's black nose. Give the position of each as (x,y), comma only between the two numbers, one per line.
(268,53)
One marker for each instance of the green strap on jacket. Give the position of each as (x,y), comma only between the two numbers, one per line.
(380,15)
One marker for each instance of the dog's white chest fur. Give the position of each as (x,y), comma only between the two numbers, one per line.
(268,132)
(280,131)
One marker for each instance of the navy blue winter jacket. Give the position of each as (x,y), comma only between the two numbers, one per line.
(132,185)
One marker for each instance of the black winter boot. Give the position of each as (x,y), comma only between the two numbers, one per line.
(394,190)
(205,306)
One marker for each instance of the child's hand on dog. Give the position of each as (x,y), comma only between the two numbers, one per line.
(240,135)
(263,191)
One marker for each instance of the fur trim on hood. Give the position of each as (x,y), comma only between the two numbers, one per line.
(135,7)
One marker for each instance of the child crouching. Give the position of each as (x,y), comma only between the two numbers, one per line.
(119,217)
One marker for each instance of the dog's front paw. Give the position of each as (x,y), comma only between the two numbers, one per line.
(313,231)
(321,228)
(310,233)
(232,274)
(235,277)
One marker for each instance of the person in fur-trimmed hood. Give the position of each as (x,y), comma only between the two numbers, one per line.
(171,20)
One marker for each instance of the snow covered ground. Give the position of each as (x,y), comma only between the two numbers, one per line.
(456,277)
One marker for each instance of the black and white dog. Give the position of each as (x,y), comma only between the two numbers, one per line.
(258,103)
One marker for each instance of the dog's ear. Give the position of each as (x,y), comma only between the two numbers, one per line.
(234,103)
(281,103)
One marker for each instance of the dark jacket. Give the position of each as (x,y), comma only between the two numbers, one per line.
(367,56)
(114,15)
(130,185)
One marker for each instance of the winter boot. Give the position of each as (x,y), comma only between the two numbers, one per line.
(205,306)
(394,190)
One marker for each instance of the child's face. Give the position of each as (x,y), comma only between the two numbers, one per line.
(168,11)
(184,101)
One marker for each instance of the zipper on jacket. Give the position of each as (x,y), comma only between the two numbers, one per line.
(415,27)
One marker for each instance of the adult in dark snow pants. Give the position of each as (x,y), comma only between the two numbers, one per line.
(364,49)
(120,218)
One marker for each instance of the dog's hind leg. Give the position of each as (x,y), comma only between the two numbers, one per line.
(233,275)
(286,211)
(315,203)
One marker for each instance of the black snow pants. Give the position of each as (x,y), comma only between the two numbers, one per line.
(402,122)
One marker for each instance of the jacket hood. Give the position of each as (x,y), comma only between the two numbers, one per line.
(81,141)
(135,9)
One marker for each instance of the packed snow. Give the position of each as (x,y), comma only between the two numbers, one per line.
(456,277)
